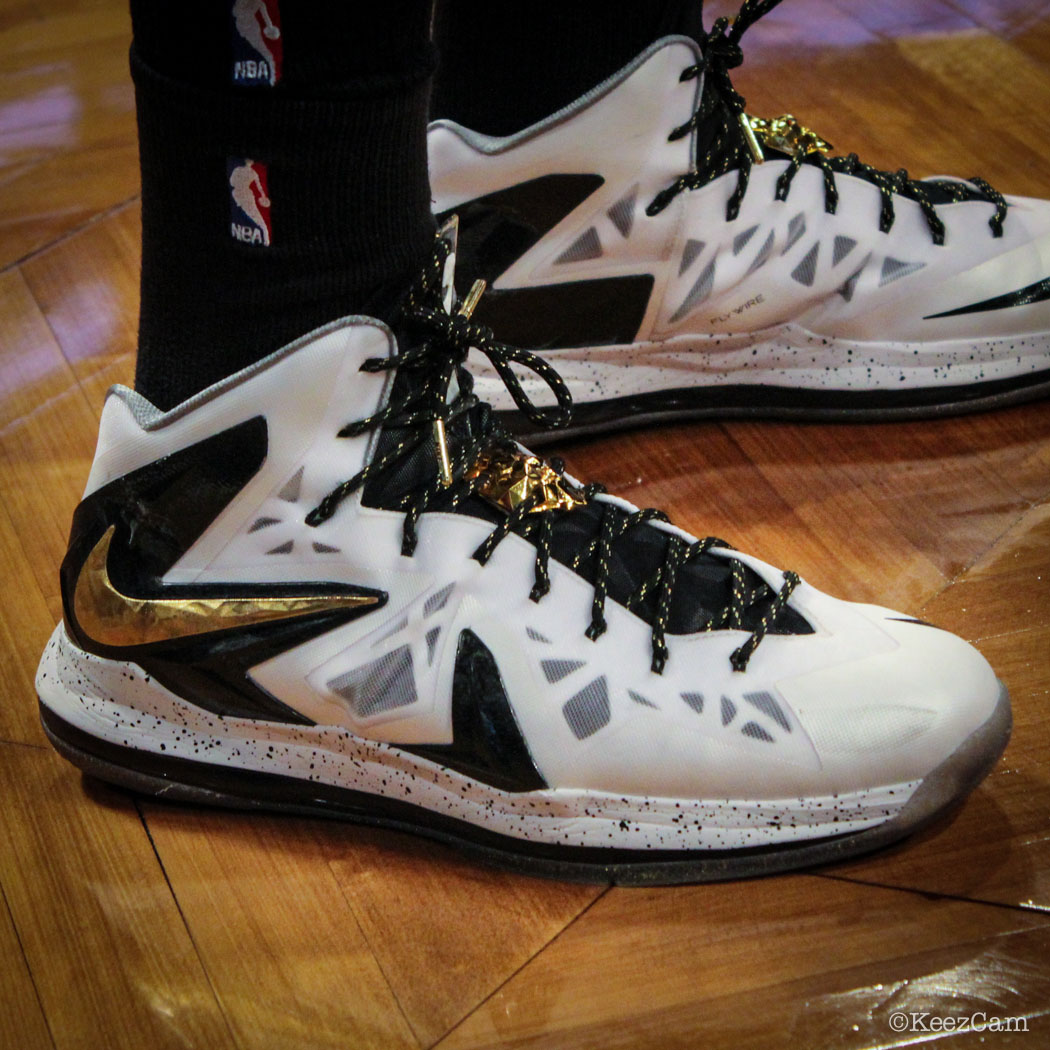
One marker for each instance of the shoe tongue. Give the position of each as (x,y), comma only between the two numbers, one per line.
(419,467)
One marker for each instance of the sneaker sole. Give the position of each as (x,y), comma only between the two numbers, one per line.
(745,401)
(173,778)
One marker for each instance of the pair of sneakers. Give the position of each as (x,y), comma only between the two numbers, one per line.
(334,583)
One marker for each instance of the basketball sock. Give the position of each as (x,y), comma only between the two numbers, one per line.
(506,66)
(284,178)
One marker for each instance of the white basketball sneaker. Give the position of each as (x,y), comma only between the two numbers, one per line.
(675,258)
(331,585)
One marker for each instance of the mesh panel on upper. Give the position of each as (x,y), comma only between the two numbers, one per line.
(588,711)
(382,685)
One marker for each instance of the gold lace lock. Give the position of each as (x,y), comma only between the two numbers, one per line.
(511,476)
(786,134)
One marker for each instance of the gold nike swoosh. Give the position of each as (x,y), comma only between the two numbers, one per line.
(112,618)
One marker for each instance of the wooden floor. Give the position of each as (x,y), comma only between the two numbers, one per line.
(139,925)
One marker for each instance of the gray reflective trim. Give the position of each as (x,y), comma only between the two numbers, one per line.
(149,417)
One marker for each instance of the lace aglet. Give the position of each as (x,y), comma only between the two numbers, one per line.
(477,289)
(444,463)
(752,139)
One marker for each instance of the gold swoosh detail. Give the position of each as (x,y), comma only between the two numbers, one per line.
(112,618)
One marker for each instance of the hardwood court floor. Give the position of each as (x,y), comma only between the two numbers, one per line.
(134,924)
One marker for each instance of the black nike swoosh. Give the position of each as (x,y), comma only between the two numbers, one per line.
(1033,293)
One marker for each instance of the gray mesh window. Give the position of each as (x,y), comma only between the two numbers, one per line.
(689,254)
(438,600)
(290,492)
(382,685)
(586,246)
(728,710)
(695,701)
(756,732)
(768,706)
(622,212)
(698,293)
(588,711)
(556,670)
(806,271)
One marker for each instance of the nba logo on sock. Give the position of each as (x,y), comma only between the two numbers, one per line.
(257,42)
(249,201)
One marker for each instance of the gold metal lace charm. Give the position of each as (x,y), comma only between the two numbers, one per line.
(786,134)
(510,477)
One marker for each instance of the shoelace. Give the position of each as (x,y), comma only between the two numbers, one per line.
(727,149)
(438,357)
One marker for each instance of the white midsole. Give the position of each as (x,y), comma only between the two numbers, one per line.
(118,703)
(786,357)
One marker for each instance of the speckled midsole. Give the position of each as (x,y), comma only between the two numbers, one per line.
(787,357)
(118,703)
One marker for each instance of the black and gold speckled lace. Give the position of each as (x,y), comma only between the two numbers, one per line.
(405,465)
(722,147)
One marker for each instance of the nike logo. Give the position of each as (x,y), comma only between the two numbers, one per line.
(111,618)
(1033,293)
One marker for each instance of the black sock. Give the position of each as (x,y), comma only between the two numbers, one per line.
(506,66)
(332,116)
